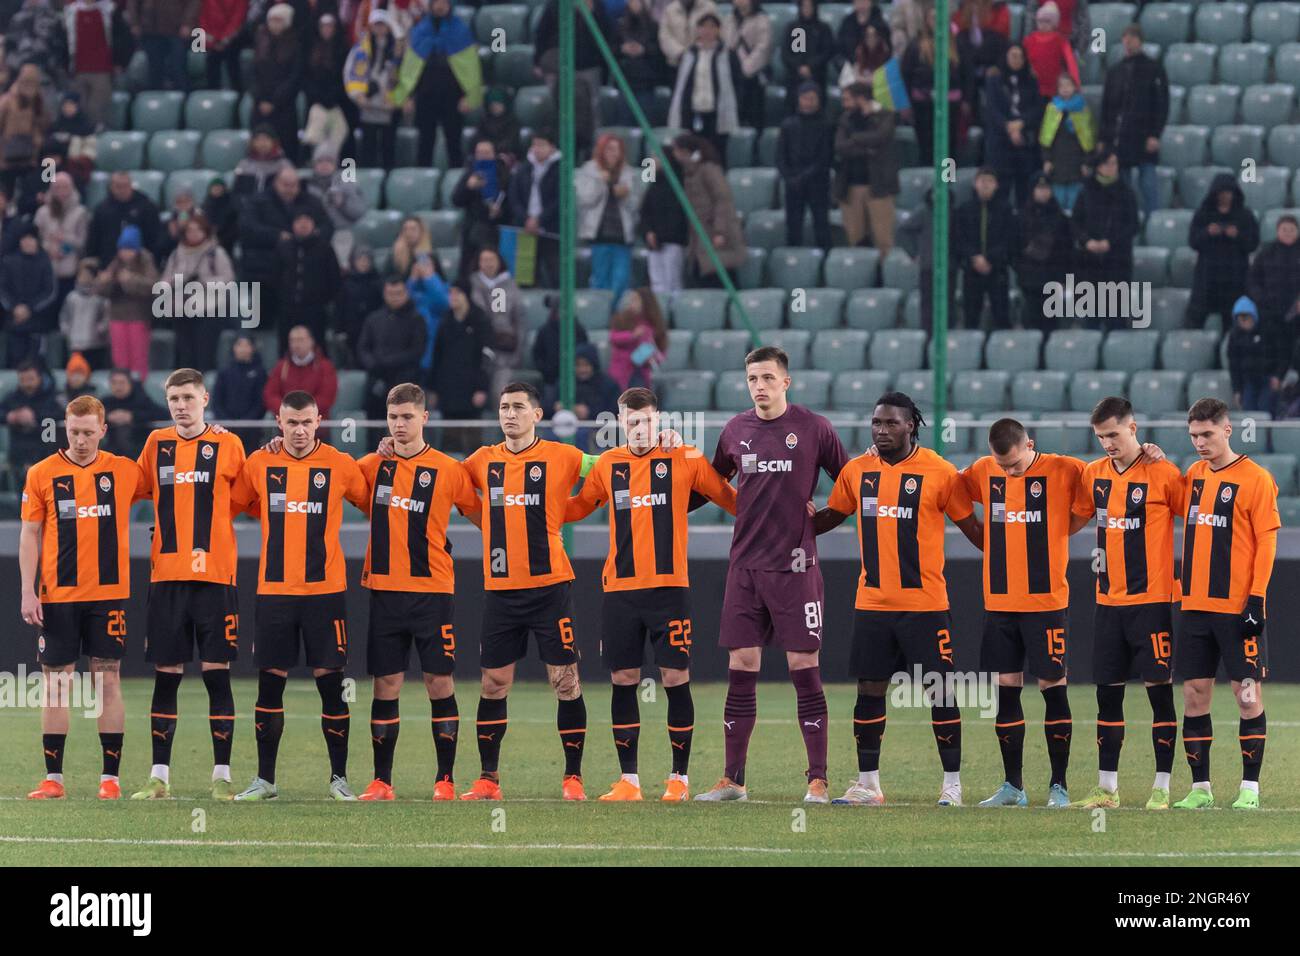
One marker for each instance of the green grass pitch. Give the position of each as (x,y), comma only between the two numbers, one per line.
(533,827)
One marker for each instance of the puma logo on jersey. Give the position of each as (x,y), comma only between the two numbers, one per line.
(276,477)
(746,444)
(64,485)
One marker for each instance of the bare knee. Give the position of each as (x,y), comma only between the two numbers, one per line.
(626,677)
(675,676)
(1196,697)
(745,658)
(497,682)
(388,687)
(439,686)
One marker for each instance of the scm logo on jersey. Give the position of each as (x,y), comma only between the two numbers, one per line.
(624,500)
(1000,515)
(502,500)
(751,465)
(406,504)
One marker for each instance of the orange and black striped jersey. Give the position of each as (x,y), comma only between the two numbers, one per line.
(1231,516)
(525,494)
(189,480)
(1134,511)
(84,512)
(649,496)
(1026,530)
(299,502)
(410,501)
(900,510)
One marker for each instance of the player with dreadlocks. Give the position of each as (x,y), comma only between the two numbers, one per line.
(900,493)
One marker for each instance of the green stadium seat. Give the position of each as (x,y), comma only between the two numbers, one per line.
(913,184)
(1151,264)
(858,390)
(965,350)
(1229,145)
(677,357)
(534,107)
(1274,23)
(377,228)
(154,110)
(1268,104)
(444,225)
(1189,350)
(1129,350)
(840,350)
(873,309)
(371,182)
(119,111)
(765,150)
(352,389)
(1283,144)
(731,394)
(740,147)
(1013,350)
(1157,393)
(207,110)
(912,310)
(1288,508)
(980,390)
(897,349)
(1089,386)
(1166,23)
(765,308)
(1270,190)
(1213,104)
(195,180)
(794,267)
(1072,350)
(1177,104)
(1283,470)
(1220,23)
(686,390)
(1244,64)
(699,309)
(822,309)
(411,189)
(592,307)
(173,149)
(1182,268)
(120,150)
(1065,434)
(1208,383)
(1166,179)
(1169,309)
(720,350)
(900,271)
(752,188)
(1039,391)
(851,267)
(1187,64)
(1182,146)
(510,18)
(222,149)
(811,389)
(917,385)
(765,229)
(795,342)
(1169,228)
(1112,18)
(751,272)
(513,66)
(536,309)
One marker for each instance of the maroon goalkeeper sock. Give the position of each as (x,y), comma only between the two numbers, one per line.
(812,718)
(739,715)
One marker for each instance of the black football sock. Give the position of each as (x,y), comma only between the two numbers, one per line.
(162,715)
(268,722)
(446,728)
(1110,726)
(1058,727)
(491,726)
(111,747)
(681,725)
(1252,732)
(221,714)
(385,723)
(571,721)
(1198,734)
(1010,727)
(1164,725)
(625,718)
(52,745)
(946,722)
(335,721)
(868,730)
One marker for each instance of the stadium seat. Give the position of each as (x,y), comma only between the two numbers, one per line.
(1288,508)
(980,390)
(1168,228)
(858,390)
(1194,184)
(793,267)
(913,184)
(751,271)
(195,180)
(1283,470)
(1187,64)
(1285,439)
(1166,23)
(720,350)
(1039,391)
(677,357)
(534,107)
(752,188)
(352,388)
(699,309)
(900,271)
(1089,386)
(765,229)
(120,150)
(1270,189)
(173,149)
(1182,146)
(513,66)
(917,385)
(1129,350)
(897,349)
(1284,145)
(536,309)
(444,227)
(766,148)
(731,393)
(222,149)
(1151,264)
(872,309)
(821,308)
(1169,308)
(1244,64)
(1064,434)
(1267,104)
(1157,393)
(1274,23)
(765,308)
(740,147)
(1177,104)
(965,350)
(377,228)
(1182,266)
(1229,145)
(1220,23)
(1112,18)
(154,110)
(411,189)
(371,182)
(912,310)
(1189,349)
(840,350)
(592,307)
(1013,350)
(811,388)
(1072,350)
(119,111)
(850,268)
(794,342)
(207,110)
(686,390)
(1213,104)
(1208,383)
(510,18)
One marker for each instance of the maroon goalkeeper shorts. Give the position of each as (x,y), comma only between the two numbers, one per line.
(781,609)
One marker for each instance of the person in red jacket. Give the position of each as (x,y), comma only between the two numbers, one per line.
(304,369)
(89,28)
(1049,52)
(221,21)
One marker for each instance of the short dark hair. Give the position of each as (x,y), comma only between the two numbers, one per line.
(904,401)
(29,365)
(1006,434)
(986,171)
(1288,218)
(395,278)
(298,400)
(407,392)
(1112,406)
(1133,29)
(528,388)
(183,376)
(1207,410)
(636,399)
(710,16)
(768,353)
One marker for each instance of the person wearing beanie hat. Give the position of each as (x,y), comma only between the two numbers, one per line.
(328,106)
(83,319)
(341,196)
(369,77)
(1049,51)
(129,238)
(77,378)
(127,282)
(805,149)
(1070,19)
(813,56)
(279,54)
(1251,359)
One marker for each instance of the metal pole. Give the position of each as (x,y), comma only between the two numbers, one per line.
(939,286)
(568,258)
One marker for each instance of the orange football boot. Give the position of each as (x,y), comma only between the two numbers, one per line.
(675,791)
(378,790)
(622,790)
(109,790)
(572,789)
(47,790)
(446,790)
(483,789)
